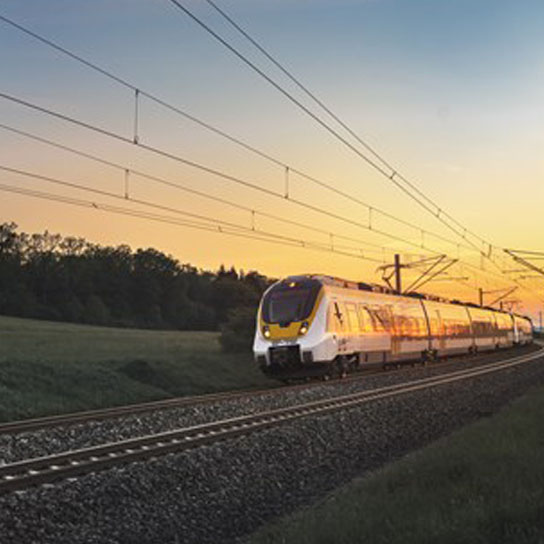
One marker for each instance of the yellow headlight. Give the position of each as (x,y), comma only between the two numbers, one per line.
(303,328)
(266,332)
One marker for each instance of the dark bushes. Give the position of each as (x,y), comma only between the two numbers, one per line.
(238,332)
(48,276)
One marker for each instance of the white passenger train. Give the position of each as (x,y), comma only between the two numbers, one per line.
(315,325)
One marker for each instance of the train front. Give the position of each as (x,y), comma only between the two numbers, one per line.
(291,339)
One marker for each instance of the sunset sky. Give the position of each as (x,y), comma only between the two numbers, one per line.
(449,92)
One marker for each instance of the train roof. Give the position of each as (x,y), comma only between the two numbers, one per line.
(376,288)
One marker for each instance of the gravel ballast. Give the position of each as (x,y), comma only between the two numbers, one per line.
(69,437)
(222,492)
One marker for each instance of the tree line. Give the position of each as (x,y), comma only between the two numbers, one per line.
(64,278)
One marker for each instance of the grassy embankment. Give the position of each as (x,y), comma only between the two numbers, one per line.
(49,368)
(484,483)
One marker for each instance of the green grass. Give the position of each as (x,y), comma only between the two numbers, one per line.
(49,368)
(482,484)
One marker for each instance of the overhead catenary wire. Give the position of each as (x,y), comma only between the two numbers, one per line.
(392,175)
(297,82)
(207,169)
(386,171)
(160,218)
(126,170)
(138,92)
(219,224)
(329,111)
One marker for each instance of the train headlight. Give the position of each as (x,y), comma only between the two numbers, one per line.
(303,328)
(266,331)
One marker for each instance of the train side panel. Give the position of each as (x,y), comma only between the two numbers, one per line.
(381,328)
(484,328)
(353,320)
(504,330)
(523,330)
(450,328)
(410,331)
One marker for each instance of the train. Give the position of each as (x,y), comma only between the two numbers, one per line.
(321,326)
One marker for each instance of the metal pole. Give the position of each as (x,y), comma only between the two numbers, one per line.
(481,295)
(398,285)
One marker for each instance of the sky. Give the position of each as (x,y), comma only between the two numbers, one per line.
(450,93)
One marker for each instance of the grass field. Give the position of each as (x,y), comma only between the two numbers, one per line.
(482,484)
(49,368)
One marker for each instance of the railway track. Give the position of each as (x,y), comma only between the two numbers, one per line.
(34,424)
(24,474)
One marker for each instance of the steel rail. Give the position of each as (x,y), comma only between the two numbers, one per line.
(27,425)
(28,473)
(101,414)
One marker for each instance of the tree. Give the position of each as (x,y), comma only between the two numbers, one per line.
(48,276)
(96,312)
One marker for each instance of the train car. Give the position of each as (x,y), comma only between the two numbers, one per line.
(315,325)
(523,329)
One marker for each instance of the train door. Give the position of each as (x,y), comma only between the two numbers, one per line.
(337,324)
(354,337)
(428,331)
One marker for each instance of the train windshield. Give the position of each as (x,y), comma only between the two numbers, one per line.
(290,301)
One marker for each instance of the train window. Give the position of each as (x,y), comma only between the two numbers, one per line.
(285,303)
(377,324)
(402,325)
(420,327)
(409,321)
(384,318)
(364,321)
(353,318)
(436,324)
(484,326)
(480,328)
